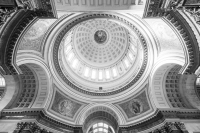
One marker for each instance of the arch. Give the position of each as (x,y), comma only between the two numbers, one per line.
(100,116)
(10,91)
(189,90)
(163,65)
(44,78)
(28,88)
(110,108)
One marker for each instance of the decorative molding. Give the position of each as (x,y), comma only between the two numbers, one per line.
(29,127)
(181,114)
(5,14)
(194,12)
(40,116)
(171,127)
(191,44)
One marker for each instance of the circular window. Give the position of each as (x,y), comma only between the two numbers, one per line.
(101,128)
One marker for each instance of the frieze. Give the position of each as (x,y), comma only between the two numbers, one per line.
(181,114)
(29,127)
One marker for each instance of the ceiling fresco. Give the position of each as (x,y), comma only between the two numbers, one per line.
(32,39)
(64,105)
(135,106)
(167,38)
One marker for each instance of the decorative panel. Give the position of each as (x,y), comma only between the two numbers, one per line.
(167,38)
(32,39)
(135,106)
(65,106)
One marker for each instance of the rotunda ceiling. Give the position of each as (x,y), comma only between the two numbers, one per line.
(100,54)
(100,42)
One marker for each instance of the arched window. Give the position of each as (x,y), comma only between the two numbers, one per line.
(2,86)
(101,127)
(2,81)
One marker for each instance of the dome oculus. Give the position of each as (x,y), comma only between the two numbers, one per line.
(100,36)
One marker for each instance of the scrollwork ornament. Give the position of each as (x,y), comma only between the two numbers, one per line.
(5,13)
(175,4)
(194,12)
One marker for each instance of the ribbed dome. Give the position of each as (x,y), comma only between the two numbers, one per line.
(100,54)
(100,50)
(100,42)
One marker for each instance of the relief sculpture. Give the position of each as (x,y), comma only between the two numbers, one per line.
(136,106)
(65,107)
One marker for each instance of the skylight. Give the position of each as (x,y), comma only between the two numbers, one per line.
(86,73)
(2,81)
(114,72)
(100,76)
(107,74)
(74,63)
(93,74)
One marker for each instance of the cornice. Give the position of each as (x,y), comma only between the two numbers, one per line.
(43,118)
(39,115)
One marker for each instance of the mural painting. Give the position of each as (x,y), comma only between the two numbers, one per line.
(135,106)
(65,106)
